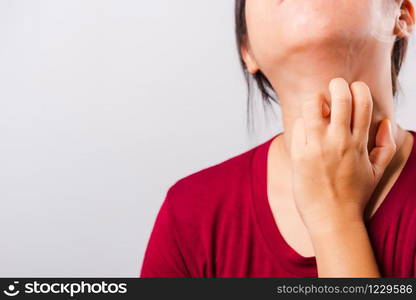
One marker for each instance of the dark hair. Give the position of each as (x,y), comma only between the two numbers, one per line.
(266,90)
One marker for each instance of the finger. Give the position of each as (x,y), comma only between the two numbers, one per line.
(384,149)
(362,111)
(341,105)
(314,122)
(299,141)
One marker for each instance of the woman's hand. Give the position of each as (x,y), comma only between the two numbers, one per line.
(333,174)
(333,177)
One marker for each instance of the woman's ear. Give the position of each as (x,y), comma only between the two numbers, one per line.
(406,21)
(248,58)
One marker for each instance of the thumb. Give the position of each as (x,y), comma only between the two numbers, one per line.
(384,149)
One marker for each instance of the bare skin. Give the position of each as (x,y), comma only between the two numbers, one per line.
(330,64)
(281,199)
(328,192)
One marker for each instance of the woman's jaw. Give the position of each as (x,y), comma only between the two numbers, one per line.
(300,45)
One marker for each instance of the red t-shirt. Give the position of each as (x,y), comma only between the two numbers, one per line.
(218,223)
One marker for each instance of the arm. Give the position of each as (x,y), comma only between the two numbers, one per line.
(334,176)
(163,258)
(344,250)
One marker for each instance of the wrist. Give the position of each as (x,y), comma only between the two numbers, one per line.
(328,229)
(344,250)
(330,220)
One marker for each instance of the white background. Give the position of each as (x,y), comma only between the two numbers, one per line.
(104,104)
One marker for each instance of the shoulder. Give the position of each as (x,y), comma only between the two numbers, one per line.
(213,179)
(206,191)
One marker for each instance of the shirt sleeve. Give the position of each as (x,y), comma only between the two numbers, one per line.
(163,258)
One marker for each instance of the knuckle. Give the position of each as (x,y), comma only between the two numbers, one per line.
(364,103)
(360,145)
(343,102)
(341,144)
(343,148)
(364,100)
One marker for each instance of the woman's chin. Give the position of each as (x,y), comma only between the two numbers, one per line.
(322,41)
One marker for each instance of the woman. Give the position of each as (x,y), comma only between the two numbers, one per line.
(330,196)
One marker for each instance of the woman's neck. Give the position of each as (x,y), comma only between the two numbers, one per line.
(307,75)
